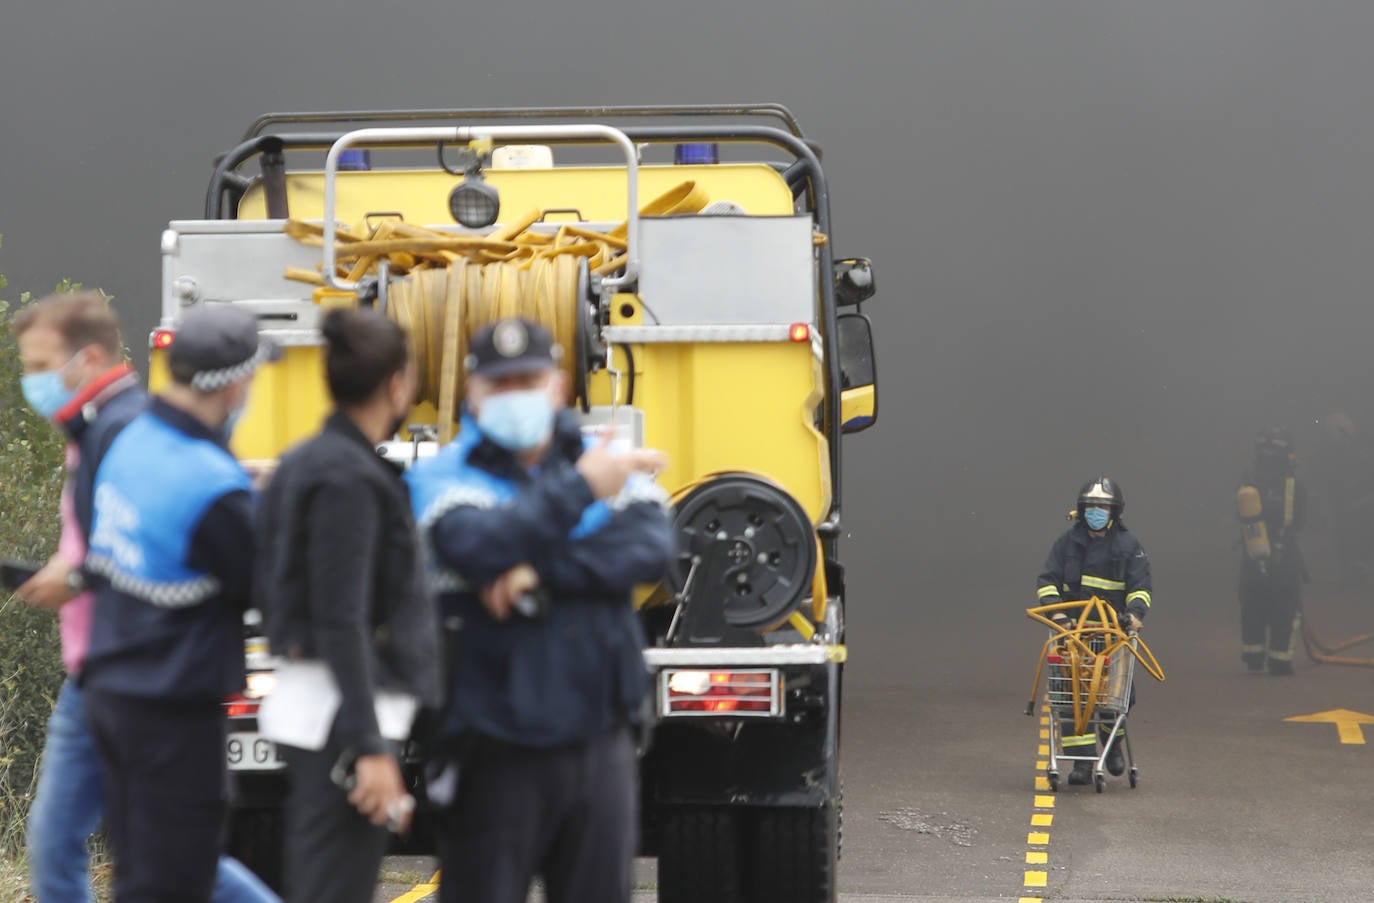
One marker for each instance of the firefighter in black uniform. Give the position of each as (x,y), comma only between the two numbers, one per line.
(1099,557)
(1271,585)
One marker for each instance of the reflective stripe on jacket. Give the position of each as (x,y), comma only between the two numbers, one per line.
(1113,567)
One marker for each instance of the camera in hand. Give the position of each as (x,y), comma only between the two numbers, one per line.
(533,604)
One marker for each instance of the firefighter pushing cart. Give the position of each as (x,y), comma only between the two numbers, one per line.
(1089,664)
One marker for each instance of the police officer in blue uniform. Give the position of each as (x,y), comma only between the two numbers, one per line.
(1097,556)
(535,539)
(170,560)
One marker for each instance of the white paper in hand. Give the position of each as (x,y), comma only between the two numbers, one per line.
(300,709)
(395,714)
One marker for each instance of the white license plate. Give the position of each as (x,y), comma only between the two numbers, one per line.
(246,751)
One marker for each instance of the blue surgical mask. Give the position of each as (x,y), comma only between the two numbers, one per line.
(1096,518)
(45,392)
(517,421)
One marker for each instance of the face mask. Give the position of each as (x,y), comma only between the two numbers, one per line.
(45,392)
(1096,518)
(517,421)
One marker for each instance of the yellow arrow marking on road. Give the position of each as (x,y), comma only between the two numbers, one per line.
(1347,723)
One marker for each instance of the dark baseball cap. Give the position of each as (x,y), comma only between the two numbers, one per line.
(509,346)
(218,344)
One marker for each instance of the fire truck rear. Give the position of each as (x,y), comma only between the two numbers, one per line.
(683,257)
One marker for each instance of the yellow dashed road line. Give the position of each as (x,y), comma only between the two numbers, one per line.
(1043,817)
(420,891)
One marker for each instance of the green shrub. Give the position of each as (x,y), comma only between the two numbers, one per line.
(30,659)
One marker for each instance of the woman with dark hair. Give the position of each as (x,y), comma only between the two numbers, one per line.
(340,584)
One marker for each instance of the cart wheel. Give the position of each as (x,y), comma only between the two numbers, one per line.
(1054,782)
(1099,782)
(1134,776)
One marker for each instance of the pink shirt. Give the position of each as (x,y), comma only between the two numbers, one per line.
(74,618)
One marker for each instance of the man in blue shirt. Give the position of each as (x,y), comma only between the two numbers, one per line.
(170,560)
(535,540)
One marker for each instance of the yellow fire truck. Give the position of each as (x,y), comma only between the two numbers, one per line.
(683,258)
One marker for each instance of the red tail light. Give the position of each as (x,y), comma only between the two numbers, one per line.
(799,332)
(163,338)
(236,705)
(753,692)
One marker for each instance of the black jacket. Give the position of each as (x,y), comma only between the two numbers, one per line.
(1113,567)
(578,672)
(340,576)
(1284,509)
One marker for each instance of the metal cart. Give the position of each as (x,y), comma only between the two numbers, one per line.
(1090,666)
(1072,685)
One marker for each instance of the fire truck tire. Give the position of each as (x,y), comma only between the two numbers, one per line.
(256,838)
(795,854)
(699,856)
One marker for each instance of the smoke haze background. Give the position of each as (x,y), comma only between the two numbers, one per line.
(1108,236)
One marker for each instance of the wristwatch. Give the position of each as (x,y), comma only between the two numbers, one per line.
(76,581)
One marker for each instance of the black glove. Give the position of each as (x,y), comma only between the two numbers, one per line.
(1130,622)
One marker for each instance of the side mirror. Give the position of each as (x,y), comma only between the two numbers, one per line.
(853,281)
(858,373)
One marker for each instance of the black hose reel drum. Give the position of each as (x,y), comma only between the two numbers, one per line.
(754,549)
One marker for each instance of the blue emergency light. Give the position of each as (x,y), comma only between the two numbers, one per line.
(696,154)
(355,159)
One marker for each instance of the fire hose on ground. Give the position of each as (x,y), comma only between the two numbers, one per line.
(1325,654)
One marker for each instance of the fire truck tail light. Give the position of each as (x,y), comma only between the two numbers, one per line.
(750,692)
(260,684)
(237,705)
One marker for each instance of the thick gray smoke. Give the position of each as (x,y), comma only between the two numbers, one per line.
(1109,235)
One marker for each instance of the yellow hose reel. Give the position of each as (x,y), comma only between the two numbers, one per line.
(442,287)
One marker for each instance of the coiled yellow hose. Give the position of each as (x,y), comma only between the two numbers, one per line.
(445,287)
(1074,641)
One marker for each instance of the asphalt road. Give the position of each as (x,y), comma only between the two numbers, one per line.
(1234,803)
